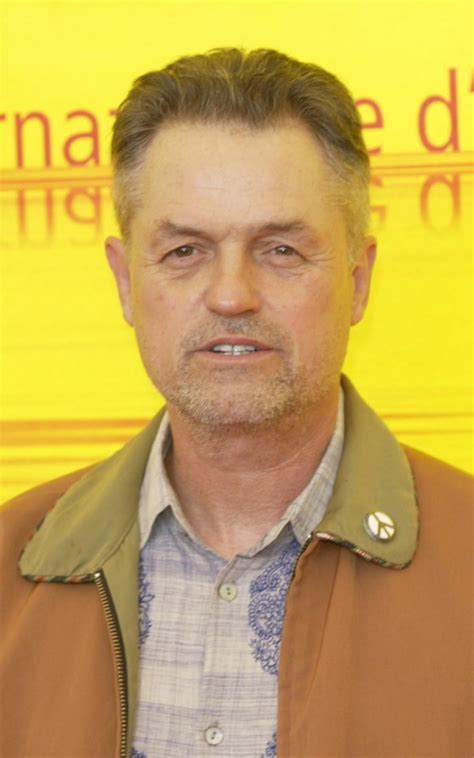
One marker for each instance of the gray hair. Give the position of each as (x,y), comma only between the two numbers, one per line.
(257,88)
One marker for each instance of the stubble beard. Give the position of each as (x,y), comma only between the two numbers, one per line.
(240,401)
(248,396)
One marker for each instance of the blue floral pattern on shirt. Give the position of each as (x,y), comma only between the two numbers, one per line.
(144,601)
(271,748)
(267,607)
(136,754)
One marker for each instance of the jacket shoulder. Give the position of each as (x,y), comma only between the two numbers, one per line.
(439,480)
(24,512)
(445,497)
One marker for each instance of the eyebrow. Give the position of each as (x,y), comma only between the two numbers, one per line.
(169,229)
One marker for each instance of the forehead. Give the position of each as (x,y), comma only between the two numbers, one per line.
(223,174)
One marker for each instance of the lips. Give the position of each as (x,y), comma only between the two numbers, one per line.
(234,345)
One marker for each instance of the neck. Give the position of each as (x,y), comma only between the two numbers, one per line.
(235,482)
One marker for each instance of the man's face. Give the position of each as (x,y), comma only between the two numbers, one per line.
(237,279)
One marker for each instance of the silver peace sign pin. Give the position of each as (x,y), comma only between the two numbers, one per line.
(379,526)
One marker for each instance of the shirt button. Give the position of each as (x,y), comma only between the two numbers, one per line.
(213,735)
(228,592)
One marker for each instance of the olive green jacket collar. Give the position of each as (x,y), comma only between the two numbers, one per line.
(90,521)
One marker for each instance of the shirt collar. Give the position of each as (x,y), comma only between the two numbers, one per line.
(304,513)
(156,492)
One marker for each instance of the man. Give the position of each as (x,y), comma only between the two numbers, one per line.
(229,583)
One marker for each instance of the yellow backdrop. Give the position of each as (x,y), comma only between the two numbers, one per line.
(73,388)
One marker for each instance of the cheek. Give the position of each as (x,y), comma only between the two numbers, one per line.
(321,318)
(153,317)
(308,309)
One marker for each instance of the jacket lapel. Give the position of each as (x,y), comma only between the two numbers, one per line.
(373,475)
(93,527)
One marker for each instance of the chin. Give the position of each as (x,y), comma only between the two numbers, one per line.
(285,397)
(236,408)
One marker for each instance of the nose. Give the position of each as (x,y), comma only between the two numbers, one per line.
(232,288)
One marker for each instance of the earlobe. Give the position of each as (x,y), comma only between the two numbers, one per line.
(362,274)
(120,265)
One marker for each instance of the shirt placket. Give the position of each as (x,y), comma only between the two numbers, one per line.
(215,713)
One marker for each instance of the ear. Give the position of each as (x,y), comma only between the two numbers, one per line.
(120,265)
(361,275)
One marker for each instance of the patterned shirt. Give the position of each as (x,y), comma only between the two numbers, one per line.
(210,629)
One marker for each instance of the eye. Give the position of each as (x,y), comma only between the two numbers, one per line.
(284,256)
(185,251)
(183,256)
(285,250)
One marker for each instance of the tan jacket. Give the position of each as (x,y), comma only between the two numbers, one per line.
(374,663)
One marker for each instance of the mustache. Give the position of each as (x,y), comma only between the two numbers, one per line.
(251,328)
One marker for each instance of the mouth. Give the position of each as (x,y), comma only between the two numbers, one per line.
(227,349)
(235,347)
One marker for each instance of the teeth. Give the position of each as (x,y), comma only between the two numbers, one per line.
(234,349)
(241,349)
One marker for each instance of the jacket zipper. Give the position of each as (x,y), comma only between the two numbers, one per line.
(119,653)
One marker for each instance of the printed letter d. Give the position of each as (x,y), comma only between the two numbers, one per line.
(451,104)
